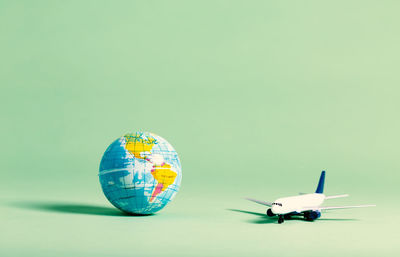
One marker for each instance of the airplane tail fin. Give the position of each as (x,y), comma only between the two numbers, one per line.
(320,187)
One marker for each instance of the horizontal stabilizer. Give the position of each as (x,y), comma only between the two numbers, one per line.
(336,196)
(260,202)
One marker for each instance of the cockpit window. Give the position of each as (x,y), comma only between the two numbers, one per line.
(279,204)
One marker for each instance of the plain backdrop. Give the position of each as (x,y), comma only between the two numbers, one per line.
(257,97)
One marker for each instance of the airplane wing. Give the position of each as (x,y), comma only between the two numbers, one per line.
(335,207)
(345,207)
(336,196)
(260,202)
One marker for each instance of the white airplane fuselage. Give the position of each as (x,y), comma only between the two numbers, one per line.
(296,203)
(306,205)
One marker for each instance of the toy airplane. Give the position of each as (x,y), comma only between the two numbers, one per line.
(307,205)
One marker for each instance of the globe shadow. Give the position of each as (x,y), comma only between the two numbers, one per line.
(74,208)
(264,219)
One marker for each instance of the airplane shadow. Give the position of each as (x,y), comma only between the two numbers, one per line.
(72,208)
(264,219)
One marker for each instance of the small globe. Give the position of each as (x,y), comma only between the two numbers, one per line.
(140,173)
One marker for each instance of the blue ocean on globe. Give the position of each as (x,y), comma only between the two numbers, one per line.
(140,173)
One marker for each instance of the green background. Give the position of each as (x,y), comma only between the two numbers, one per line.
(257,97)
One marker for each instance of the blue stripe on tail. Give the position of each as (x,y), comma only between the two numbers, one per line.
(320,188)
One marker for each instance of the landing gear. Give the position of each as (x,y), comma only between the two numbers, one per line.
(280,219)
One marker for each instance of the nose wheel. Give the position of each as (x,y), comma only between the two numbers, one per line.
(280,219)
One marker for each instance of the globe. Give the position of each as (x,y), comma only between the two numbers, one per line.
(140,173)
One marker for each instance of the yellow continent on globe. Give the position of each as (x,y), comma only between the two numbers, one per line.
(163,173)
(164,176)
(136,145)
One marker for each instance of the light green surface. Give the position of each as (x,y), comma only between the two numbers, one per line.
(257,97)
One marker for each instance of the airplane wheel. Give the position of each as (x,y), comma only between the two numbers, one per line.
(280,219)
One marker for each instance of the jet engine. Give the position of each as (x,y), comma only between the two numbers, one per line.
(269,213)
(312,215)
